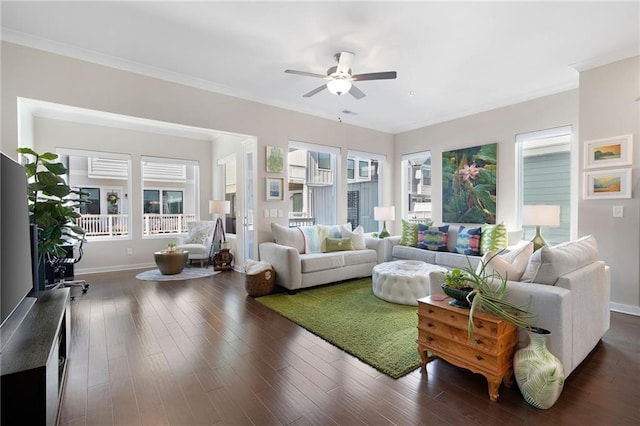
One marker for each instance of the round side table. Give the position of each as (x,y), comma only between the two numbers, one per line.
(171,262)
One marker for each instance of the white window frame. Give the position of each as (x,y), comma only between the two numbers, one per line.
(404,159)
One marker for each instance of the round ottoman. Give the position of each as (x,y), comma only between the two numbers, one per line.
(403,281)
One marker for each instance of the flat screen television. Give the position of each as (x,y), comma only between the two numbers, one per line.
(16,267)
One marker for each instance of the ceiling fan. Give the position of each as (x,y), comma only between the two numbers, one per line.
(340,77)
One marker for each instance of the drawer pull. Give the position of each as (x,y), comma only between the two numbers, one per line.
(479,325)
(479,341)
(429,338)
(430,324)
(430,311)
(479,357)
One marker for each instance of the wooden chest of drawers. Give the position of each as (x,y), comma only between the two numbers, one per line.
(442,329)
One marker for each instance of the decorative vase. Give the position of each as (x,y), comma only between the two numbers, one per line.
(538,372)
(459,295)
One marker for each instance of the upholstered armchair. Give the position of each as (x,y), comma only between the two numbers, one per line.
(198,240)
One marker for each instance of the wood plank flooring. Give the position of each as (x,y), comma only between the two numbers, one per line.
(200,352)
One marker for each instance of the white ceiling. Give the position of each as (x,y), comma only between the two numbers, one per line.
(453,59)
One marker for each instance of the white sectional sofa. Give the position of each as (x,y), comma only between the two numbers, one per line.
(568,291)
(296,268)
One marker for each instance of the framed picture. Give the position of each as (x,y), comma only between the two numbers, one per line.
(274,188)
(274,160)
(609,152)
(469,182)
(607,184)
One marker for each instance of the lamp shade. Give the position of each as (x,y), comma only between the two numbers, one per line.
(384,213)
(541,215)
(219,206)
(339,86)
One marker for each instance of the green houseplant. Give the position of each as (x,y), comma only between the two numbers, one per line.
(486,292)
(52,203)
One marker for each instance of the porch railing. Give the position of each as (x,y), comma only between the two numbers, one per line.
(104,225)
(109,225)
(155,224)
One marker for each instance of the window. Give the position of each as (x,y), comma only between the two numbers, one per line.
(364,192)
(351,164)
(544,160)
(312,173)
(169,195)
(105,177)
(416,183)
(93,201)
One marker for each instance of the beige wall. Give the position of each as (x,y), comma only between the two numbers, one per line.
(499,125)
(39,75)
(608,108)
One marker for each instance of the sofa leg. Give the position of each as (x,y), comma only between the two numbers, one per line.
(292,292)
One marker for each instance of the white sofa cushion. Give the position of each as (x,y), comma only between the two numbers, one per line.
(412,253)
(549,263)
(357,236)
(290,237)
(359,257)
(313,262)
(510,265)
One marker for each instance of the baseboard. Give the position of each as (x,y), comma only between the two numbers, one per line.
(114,268)
(625,309)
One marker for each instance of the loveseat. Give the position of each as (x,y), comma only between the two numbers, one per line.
(313,255)
(567,289)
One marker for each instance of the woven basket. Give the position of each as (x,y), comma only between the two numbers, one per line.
(260,284)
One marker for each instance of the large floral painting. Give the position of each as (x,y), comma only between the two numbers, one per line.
(469,184)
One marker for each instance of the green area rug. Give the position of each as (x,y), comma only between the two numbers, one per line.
(349,316)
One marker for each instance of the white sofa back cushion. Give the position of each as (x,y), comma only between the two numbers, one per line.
(511,264)
(549,263)
(290,237)
(357,236)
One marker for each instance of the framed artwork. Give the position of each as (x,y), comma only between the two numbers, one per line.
(607,184)
(469,184)
(274,189)
(274,160)
(609,152)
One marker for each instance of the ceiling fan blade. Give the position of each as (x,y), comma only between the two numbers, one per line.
(387,75)
(314,91)
(305,73)
(356,93)
(344,62)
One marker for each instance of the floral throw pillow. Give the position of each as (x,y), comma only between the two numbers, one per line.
(468,241)
(199,232)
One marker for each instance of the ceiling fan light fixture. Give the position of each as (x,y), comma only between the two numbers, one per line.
(339,87)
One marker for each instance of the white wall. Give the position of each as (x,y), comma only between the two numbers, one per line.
(608,108)
(499,125)
(39,75)
(51,134)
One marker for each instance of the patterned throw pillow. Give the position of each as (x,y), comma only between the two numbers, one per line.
(433,237)
(199,231)
(494,238)
(468,241)
(409,235)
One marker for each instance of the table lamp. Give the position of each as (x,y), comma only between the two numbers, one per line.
(384,214)
(540,215)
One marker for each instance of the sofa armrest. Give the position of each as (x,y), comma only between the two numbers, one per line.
(380,245)
(552,310)
(285,261)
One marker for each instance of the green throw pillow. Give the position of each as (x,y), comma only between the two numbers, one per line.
(409,235)
(339,244)
(494,238)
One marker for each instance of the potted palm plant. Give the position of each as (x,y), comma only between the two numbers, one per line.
(52,205)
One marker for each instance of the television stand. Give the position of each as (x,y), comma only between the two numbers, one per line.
(34,362)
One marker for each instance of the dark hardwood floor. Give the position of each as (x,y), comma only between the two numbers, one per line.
(200,352)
